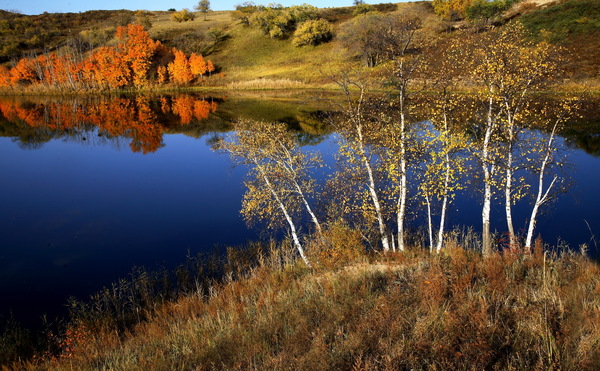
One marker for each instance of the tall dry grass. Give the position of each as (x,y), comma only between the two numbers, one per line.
(266,84)
(455,310)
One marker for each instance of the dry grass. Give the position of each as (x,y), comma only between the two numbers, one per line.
(266,84)
(456,310)
(161,22)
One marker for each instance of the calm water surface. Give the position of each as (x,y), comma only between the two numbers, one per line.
(86,197)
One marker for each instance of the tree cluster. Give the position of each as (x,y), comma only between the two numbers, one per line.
(184,15)
(376,37)
(135,61)
(279,22)
(391,163)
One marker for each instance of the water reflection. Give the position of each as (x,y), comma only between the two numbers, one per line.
(139,121)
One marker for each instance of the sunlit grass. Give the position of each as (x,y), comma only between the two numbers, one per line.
(455,310)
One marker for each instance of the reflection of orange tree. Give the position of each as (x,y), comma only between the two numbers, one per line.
(116,117)
(135,61)
(188,108)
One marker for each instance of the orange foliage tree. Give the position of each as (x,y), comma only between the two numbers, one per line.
(4,76)
(210,68)
(137,49)
(107,68)
(198,65)
(62,70)
(134,61)
(23,72)
(179,70)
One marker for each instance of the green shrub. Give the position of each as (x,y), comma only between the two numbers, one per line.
(362,9)
(339,246)
(279,22)
(313,32)
(486,10)
(183,16)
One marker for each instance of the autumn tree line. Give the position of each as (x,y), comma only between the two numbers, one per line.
(393,164)
(135,61)
(142,120)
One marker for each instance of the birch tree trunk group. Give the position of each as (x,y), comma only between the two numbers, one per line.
(391,162)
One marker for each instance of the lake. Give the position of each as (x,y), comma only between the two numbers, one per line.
(92,187)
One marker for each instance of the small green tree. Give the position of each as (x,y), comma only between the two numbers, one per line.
(313,32)
(244,11)
(362,9)
(183,15)
(203,7)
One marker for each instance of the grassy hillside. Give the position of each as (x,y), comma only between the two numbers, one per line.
(244,53)
(574,24)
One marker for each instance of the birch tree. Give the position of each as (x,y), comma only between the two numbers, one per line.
(486,127)
(447,111)
(445,163)
(522,67)
(405,66)
(509,69)
(360,133)
(544,157)
(279,185)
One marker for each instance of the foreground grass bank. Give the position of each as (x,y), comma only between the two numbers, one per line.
(455,310)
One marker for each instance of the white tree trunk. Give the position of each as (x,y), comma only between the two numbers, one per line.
(508,200)
(509,176)
(542,196)
(287,216)
(485,219)
(440,238)
(308,208)
(373,192)
(429,223)
(403,181)
(288,163)
(487,180)
(377,205)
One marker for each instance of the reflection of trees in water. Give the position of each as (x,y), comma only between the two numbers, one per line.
(586,138)
(585,133)
(30,143)
(105,120)
(139,122)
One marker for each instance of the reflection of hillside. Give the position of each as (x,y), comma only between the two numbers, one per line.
(140,119)
(584,133)
(139,122)
(585,136)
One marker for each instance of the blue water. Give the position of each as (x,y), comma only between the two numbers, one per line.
(75,218)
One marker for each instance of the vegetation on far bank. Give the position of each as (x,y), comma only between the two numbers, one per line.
(258,43)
